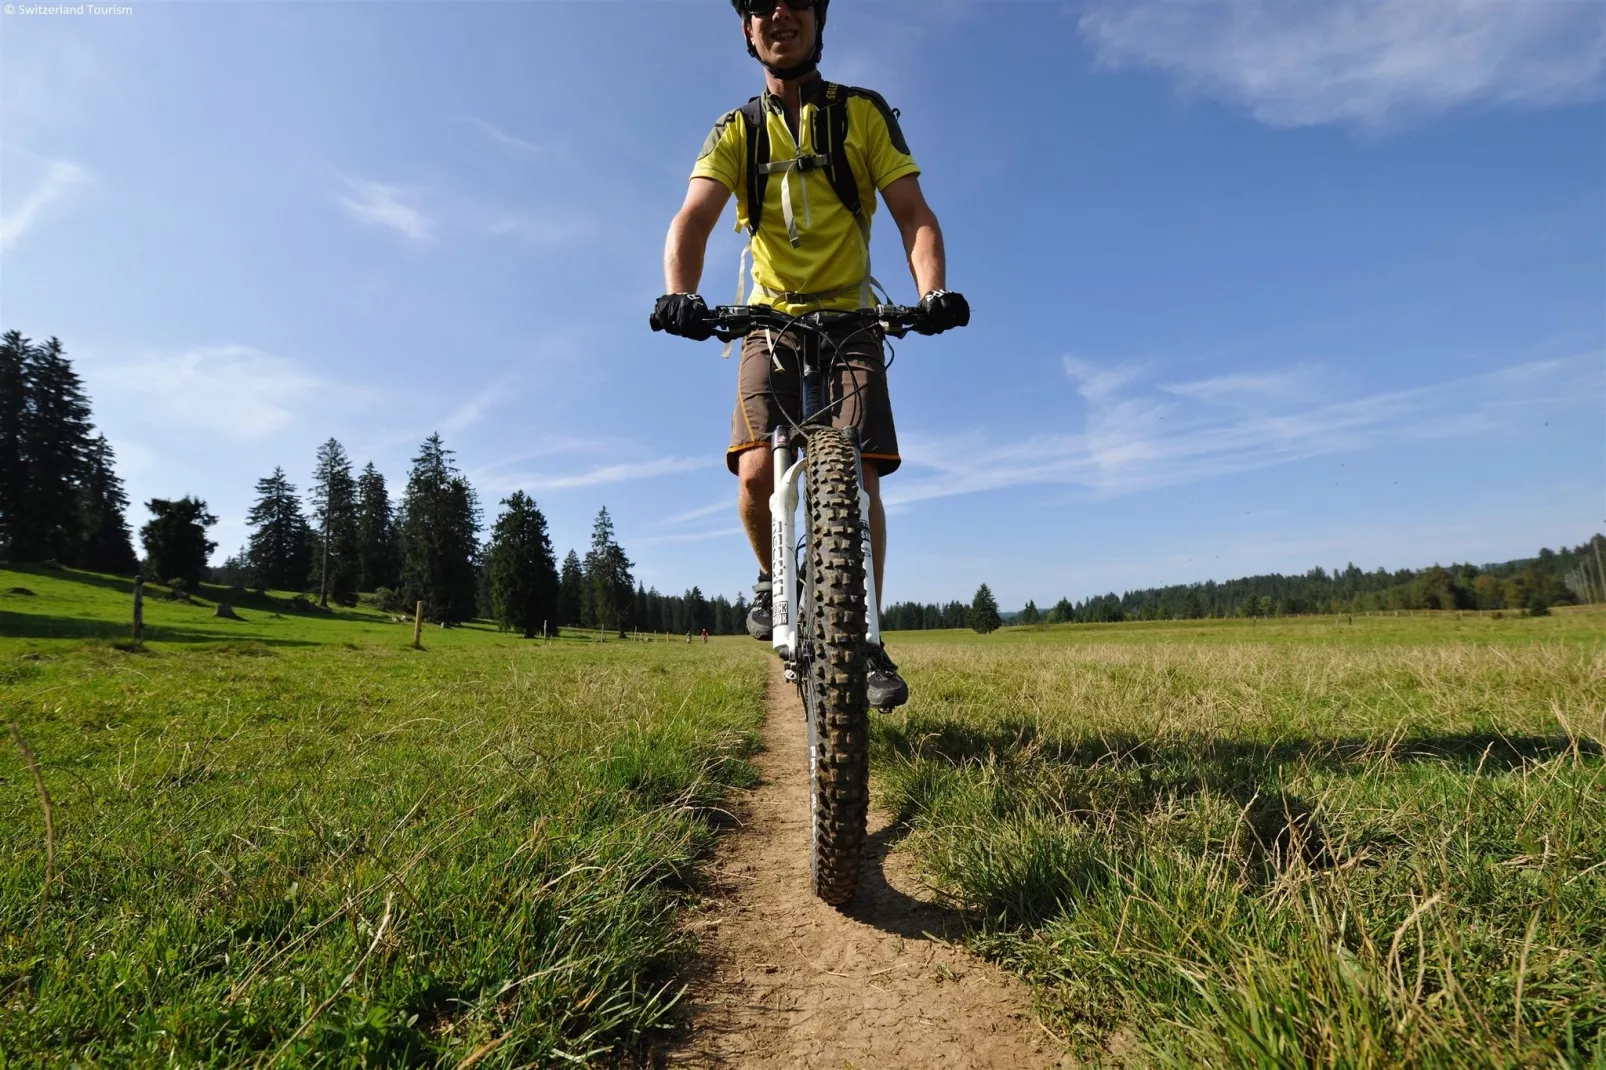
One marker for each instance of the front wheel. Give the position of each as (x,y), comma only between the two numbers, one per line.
(833,620)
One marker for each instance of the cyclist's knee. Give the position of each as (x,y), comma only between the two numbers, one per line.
(753,469)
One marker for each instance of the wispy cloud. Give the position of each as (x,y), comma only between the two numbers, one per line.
(1291,384)
(472,411)
(542,230)
(688,536)
(721,506)
(386,206)
(502,137)
(234,391)
(1134,439)
(1372,64)
(598,476)
(60,178)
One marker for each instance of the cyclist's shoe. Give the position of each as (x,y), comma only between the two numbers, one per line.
(884,688)
(760,624)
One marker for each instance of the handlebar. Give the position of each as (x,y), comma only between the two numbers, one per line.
(733,321)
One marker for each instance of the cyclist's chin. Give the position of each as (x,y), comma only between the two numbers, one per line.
(784,56)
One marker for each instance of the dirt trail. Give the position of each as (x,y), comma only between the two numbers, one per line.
(792,982)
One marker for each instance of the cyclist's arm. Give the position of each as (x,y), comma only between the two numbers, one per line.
(922,235)
(688,234)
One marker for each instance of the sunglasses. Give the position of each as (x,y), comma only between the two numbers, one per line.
(762,8)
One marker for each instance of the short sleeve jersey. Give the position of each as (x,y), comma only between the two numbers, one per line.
(831,253)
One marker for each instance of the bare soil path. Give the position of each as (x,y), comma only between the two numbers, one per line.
(792,982)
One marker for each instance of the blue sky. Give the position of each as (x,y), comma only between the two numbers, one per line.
(1257,286)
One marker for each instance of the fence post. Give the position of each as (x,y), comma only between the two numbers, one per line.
(418,626)
(139,610)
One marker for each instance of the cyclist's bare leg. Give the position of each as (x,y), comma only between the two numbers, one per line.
(756,479)
(878,526)
(756,482)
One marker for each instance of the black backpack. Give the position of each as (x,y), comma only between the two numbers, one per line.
(830,131)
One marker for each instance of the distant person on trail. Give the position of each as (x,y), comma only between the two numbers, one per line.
(705,635)
(805,160)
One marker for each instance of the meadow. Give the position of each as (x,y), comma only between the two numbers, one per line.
(1369,841)
(294,840)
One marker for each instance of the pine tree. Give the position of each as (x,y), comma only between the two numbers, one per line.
(610,589)
(983,616)
(55,451)
(439,536)
(13,468)
(376,533)
(571,592)
(235,571)
(280,548)
(523,576)
(107,546)
(334,507)
(176,546)
(1030,615)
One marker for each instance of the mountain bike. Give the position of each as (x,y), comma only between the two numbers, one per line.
(823,584)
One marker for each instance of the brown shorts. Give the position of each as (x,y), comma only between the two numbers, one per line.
(768,386)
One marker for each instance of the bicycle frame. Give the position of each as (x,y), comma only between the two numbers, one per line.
(788,469)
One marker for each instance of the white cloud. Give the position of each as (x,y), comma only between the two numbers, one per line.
(542,230)
(1134,441)
(721,506)
(1288,385)
(60,178)
(1367,63)
(234,391)
(604,474)
(382,205)
(503,137)
(690,536)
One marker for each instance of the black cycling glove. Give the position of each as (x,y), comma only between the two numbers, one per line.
(944,310)
(682,314)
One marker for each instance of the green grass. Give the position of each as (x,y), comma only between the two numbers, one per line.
(293,840)
(1295,843)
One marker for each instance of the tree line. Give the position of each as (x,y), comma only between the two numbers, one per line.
(427,549)
(61,501)
(1567,576)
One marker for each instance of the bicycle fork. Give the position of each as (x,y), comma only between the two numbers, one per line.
(783,546)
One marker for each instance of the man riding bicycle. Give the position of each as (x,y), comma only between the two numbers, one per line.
(805,161)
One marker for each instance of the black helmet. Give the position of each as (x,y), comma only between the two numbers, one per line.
(813,61)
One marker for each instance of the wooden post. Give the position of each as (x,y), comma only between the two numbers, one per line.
(418,626)
(139,610)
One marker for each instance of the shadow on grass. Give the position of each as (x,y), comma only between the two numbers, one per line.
(40,626)
(1121,775)
(238,597)
(959,744)
(120,584)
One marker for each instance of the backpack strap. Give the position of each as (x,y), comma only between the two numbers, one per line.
(831,139)
(757,143)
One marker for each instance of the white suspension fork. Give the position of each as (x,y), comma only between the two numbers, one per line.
(783,548)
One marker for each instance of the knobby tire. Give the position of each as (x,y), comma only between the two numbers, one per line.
(833,634)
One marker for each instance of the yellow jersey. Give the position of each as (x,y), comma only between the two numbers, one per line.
(809,250)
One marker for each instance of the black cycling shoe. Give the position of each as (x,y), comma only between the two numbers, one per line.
(884,688)
(760,624)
